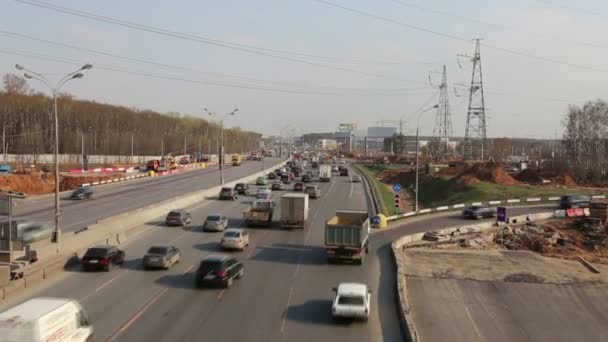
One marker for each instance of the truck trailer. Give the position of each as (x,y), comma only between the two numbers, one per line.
(294,210)
(347,235)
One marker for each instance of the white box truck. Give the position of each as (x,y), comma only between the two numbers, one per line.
(45,319)
(325,173)
(294,210)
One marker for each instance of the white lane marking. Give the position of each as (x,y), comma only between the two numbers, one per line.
(351,188)
(284,320)
(472,321)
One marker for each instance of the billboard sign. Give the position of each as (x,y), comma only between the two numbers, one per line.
(347,127)
(381,132)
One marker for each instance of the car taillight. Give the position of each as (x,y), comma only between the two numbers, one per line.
(222,274)
(103,261)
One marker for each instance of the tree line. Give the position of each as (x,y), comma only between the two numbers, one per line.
(104,129)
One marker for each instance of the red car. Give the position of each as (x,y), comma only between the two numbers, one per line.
(298,187)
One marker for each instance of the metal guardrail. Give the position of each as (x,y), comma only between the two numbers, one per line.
(377,202)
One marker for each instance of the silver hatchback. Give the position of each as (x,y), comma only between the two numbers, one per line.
(216,223)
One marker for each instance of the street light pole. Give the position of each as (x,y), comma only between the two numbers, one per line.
(221,147)
(417,152)
(29,74)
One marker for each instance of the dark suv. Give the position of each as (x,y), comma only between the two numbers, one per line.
(228,194)
(218,270)
(574,201)
(178,217)
(84,192)
(478,212)
(102,257)
(242,189)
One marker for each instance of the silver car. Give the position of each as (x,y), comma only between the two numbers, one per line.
(161,256)
(216,223)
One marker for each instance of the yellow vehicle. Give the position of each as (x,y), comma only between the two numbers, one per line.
(236,160)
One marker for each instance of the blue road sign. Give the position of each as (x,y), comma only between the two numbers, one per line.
(397,187)
(501,214)
(376,220)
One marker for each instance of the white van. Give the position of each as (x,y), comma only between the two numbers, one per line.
(45,319)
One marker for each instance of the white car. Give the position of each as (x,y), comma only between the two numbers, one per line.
(356,179)
(352,301)
(263,193)
(235,239)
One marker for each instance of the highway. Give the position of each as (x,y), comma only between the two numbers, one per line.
(115,198)
(285,294)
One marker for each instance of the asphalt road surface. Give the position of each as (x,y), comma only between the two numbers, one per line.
(116,198)
(285,294)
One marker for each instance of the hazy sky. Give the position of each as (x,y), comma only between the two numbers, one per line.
(311,66)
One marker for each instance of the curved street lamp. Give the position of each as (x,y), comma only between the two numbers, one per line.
(29,74)
(221,150)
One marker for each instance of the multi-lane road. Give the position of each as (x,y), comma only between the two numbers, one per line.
(115,198)
(285,294)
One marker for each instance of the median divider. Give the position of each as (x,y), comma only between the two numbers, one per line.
(53,258)
(397,246)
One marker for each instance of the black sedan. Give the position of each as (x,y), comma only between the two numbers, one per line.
(478,212)
(84,192)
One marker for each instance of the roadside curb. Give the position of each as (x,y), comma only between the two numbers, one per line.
(401,243)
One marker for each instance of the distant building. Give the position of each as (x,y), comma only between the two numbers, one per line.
(327,144)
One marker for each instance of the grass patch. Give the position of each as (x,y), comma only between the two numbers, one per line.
(387,206)
(436,192)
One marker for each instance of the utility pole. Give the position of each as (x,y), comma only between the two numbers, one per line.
(82,151)
(475,131)
(443,119)
(184,145)
(132,138)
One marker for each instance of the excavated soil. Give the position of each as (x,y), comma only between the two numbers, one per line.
(40,183)
(486,172)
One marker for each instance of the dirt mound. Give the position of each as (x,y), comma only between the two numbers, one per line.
(568,180)
(35,183)
(529,176)
(486,172)
(452,171)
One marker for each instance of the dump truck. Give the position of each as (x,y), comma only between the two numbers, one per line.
(260,213)
(325,173)
(236,160)
(294,210)
(346,236)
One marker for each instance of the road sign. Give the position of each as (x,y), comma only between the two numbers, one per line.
(501,214)
(376,220)
(397,200)
(397,187)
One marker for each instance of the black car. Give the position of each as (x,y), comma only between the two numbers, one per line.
(298,187)
(178,217)
(84,192)
(218,270)
(102,257)
(272,175)
(228,194)
(478,212)
(574,201)
(241,188)
(277,186)
(277,171)
(306,179)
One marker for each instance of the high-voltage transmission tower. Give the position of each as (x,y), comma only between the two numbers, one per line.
(474,145)
(443,119)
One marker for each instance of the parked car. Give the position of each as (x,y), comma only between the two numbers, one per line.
(161,256)
(184,161)
(83,192)
(235,239)
(272,175)
(352,301)
(312,191)
(334,168)
(356,179)
(178,217)
(242,189)
(277,186)
(218,270)
(228,194)
(261,181)
(216,223)
(298,186)
(574,201)
(478,212)
(102,257)
(306,178)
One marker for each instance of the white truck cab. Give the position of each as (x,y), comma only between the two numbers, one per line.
(45,319)
(352,301)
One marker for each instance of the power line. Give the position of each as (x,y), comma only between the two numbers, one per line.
(277,54)
(457,38)
(188,80)
(496,25)
(187,69)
